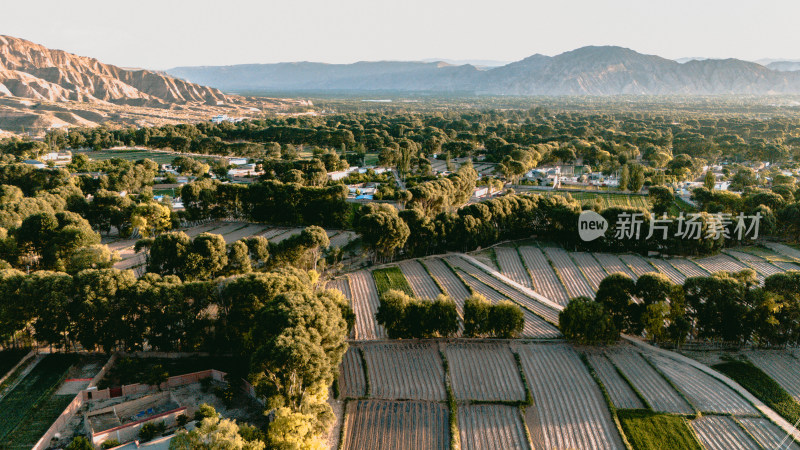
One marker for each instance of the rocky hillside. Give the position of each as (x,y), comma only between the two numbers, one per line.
(586,71)
(31,71)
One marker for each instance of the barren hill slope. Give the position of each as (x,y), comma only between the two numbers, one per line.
(29,70)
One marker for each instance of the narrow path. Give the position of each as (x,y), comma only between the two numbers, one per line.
(399,181)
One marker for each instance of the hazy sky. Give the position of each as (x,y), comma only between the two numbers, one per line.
(160,34)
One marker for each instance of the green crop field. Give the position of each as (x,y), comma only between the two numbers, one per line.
(609,199)
(606,199)
(647,430)
(391,278)
(32,391)
(135,155)
(31,429)
(763,387)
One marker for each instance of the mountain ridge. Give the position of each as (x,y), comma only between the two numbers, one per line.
(590,70)
(30,70)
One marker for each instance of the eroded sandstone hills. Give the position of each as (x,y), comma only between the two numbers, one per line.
(32,71)
(41,89)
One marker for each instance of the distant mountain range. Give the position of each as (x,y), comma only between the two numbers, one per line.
(605,70)
(29,70)
(41,89)
(784,66)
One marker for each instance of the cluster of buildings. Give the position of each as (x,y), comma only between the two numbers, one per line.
(218,119)
(556,176)
(56,159)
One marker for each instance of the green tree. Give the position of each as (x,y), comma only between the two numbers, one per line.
(79,443)
(301,339)
(624,178)
(238,259)
(382,230)
(476,315)
(615,293)
(292,430)
(506,320)
(391,312)
(661,198)
(168,252)
(207,257)
(214,433)
(258,248)
(637,177)
(709,180)
(586,322)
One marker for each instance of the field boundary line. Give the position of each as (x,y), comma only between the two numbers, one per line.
(21,362)
(512,283)
(22,375)
(763,408)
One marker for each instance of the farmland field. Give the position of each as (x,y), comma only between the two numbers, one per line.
(621,394)
(484,372)
(667,269)
(705,392)
(781,366)
(573,279)
(637,265)
(722,433)
(491,426)
(757,263)
(405,371)
(391,278)
(719,263)
(511,265)
(545,280)
(448,280)
(408,425)
(688,268)
(612,264)
(352,382)
(421,283)
(365,304)
(656,391)
(137,154)
(605,199)
(340,284)
(36,423)
(35,388)
(590,268)
(646,430)
(763,387)
(785,250)
(767,434)
(510,292)
(534,327)
(568,410)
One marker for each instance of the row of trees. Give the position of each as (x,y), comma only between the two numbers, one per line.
(514,137)
(387,232)
(292,333)
(483,319)
(270,201)
(406,317)
(728,307)
(63,241)
(207,256)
